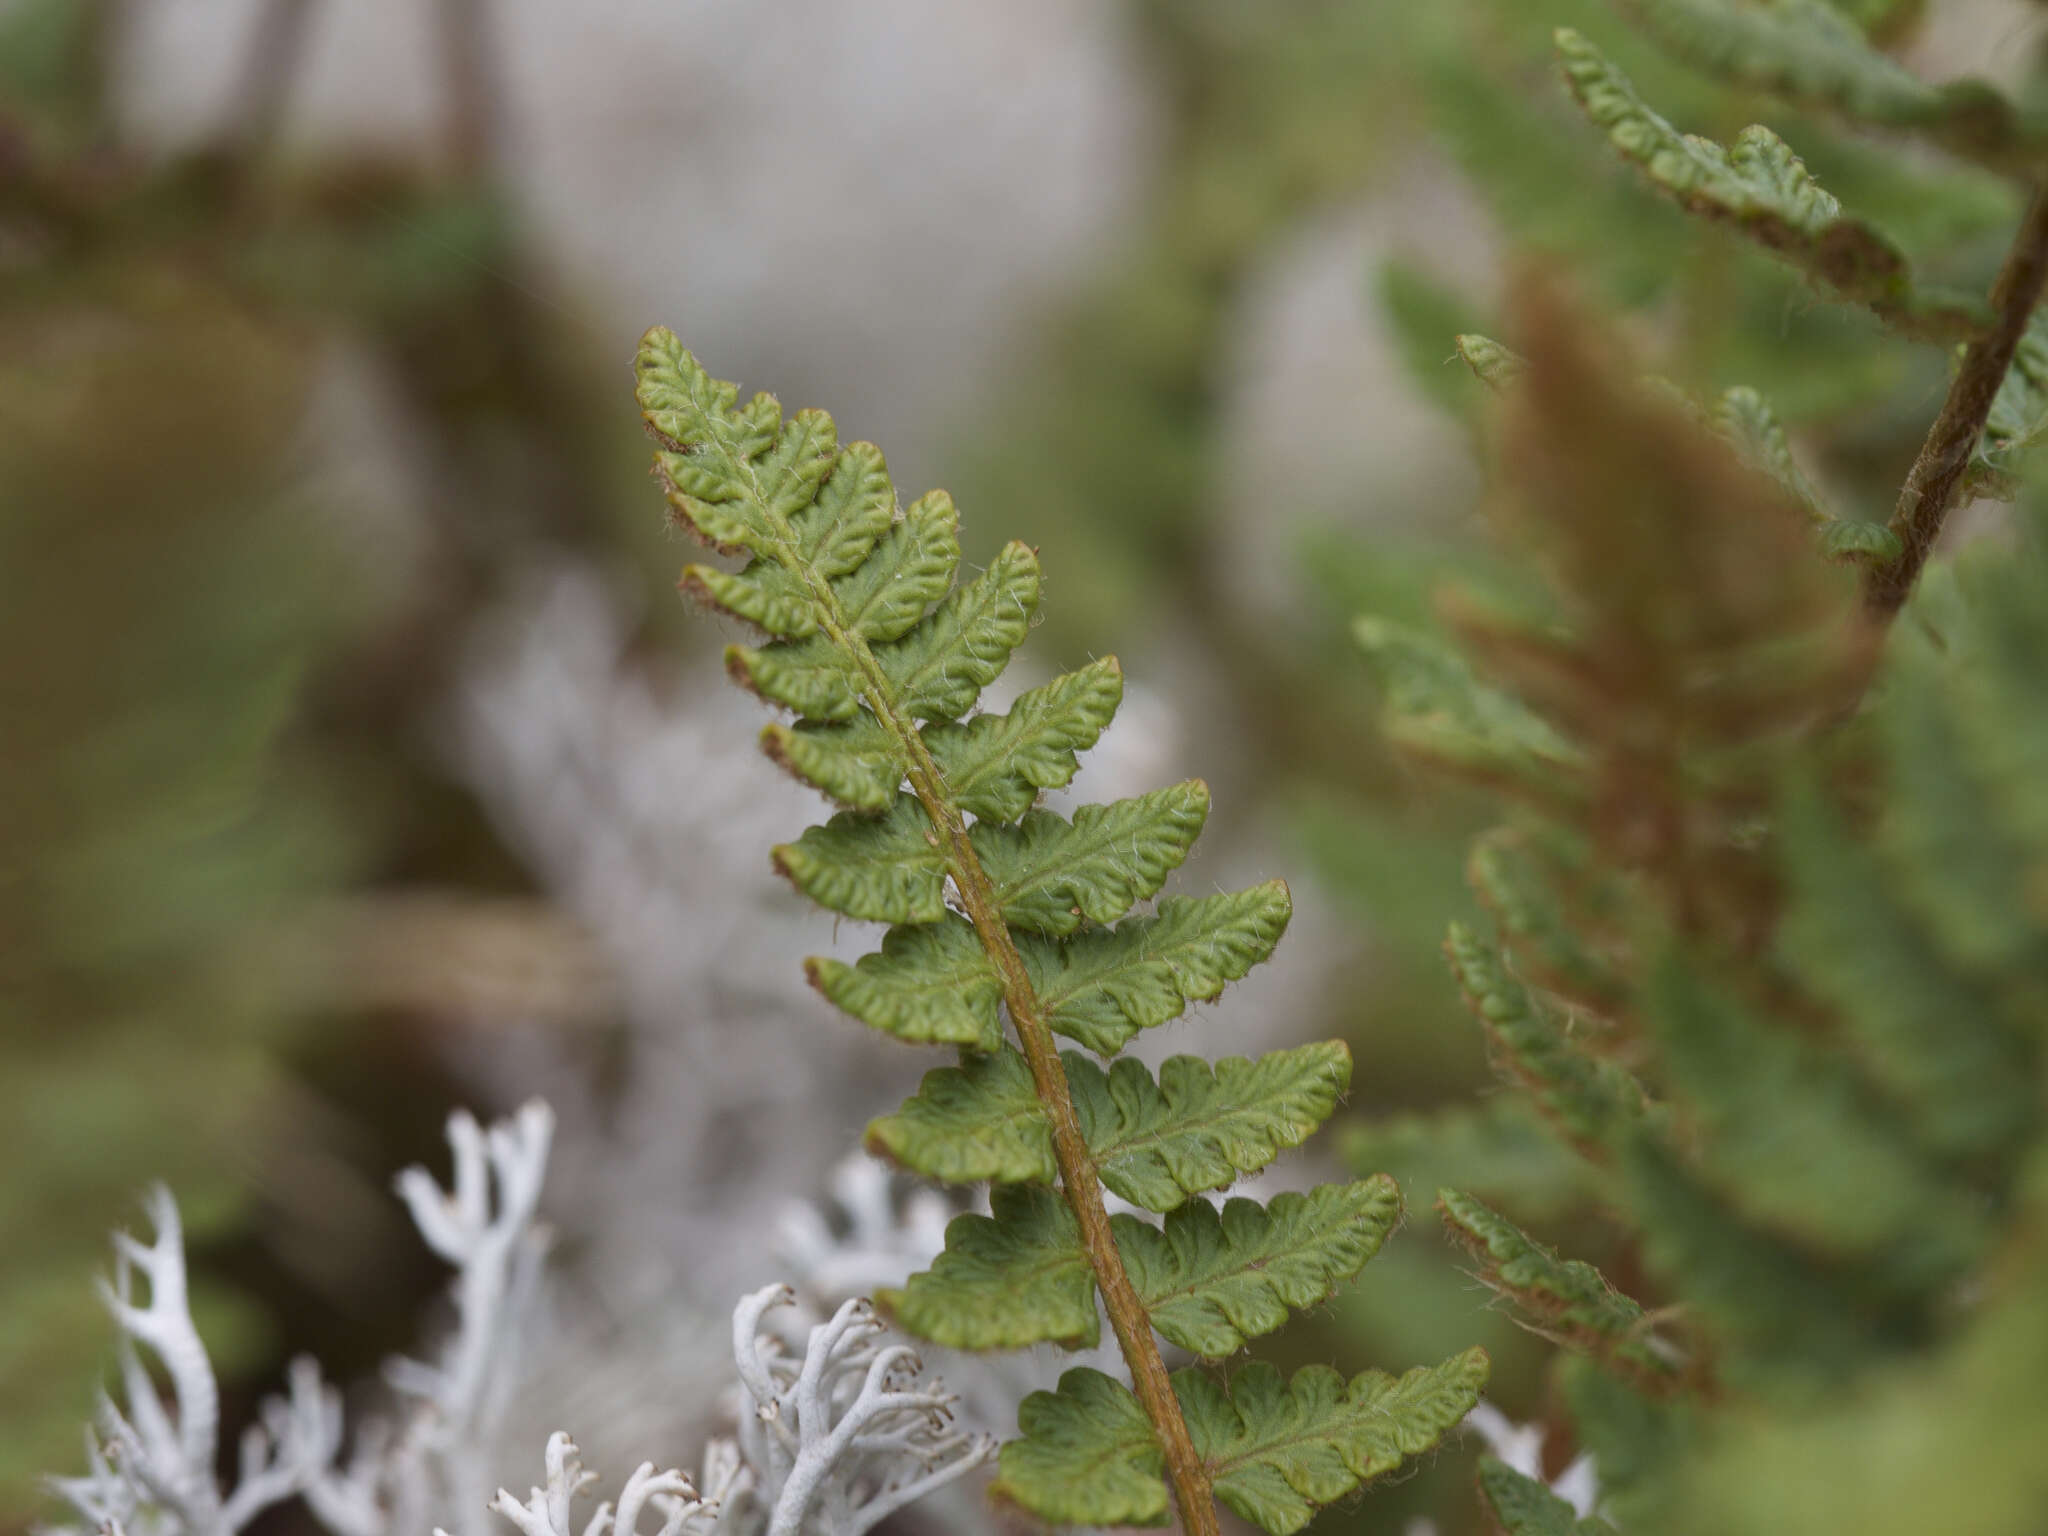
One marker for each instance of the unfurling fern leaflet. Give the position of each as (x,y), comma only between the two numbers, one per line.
(1001,911)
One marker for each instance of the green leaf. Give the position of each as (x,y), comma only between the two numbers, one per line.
(1567,1299)
(1587,1098)
(855,507)
(706,465)
(1793,1140)
(1099,988)
(1749,425)
(1155,1144)
(1525,894)
(1018,1277)
(856,763)
(1213,1280)
(1087,1456)
(1763,190)
(1961,871)
(1847,538)
(1807,53)
(812,677)
(1050,876)
(2019,414)
(980,1120)
(1436,708)
(939,669)
(884,869)
(930,985)
(1777,1303)
(1278,1450)
(1492,364)
(1524,1507)
(1200,1126)
(1932,1038)
(764,594)
(886,596)
(995,765)
(1420,312)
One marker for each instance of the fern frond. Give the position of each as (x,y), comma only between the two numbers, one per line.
(1809,54)
(1567,1299)
(1759,187)
(1002,912)
(1550,932)
(1794,1142)
(1436,708)
(1051,876)
(1932,1039)
(1491,363)
(1590,1100)
(1744,420)
(1785,1312)
(979,1120)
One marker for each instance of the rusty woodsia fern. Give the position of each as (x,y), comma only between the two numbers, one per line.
(1008,926)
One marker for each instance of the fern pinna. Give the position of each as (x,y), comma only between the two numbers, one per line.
(999,910)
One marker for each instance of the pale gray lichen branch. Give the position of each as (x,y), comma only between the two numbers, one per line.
(151,1464)
(850,1434)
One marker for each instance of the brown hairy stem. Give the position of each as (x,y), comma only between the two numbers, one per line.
(1937,474)
(1078,1180)
(1079,1183)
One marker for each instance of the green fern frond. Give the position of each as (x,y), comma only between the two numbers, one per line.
(1795,1142)
(1759,187)
(1437,708)
(1566,1299)
(1933,1039)
(1808,53)
(1590,1100)
(1003,914)
(1747,423)
(1547,925)
(1491,363)
(1783,1312)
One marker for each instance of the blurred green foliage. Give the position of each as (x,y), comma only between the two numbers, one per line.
(211,672)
